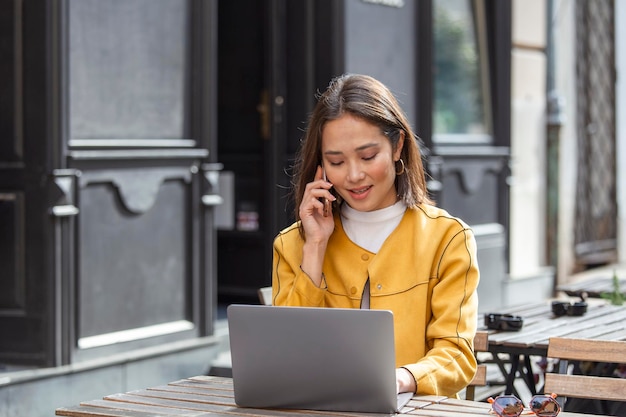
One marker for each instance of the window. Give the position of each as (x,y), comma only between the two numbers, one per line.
(461,113)
(129,70)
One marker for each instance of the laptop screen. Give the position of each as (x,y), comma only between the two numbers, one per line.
(313,358)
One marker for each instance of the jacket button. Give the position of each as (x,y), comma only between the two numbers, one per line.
(379,286)
(353,290)
(365,256)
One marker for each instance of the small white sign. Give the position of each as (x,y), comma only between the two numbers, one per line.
(390,3)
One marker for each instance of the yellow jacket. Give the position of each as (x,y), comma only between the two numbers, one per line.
(425,273)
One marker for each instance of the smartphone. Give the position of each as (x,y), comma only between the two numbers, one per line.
(327,203)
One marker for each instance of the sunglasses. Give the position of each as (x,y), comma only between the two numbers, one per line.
(511,406)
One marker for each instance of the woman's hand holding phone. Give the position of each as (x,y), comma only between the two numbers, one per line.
(317,221)
(316,208)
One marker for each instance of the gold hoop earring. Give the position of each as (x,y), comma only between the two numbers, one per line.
(401,171)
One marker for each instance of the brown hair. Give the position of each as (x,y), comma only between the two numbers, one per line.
(367,98)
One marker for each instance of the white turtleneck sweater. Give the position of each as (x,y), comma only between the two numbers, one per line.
(369,230)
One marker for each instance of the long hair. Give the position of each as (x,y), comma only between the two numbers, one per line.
(370,100)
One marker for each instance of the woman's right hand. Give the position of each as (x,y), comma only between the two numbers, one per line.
(316,209)
(318,224)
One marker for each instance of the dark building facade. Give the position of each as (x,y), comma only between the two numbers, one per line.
(145,152)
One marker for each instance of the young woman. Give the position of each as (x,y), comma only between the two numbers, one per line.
(368,236)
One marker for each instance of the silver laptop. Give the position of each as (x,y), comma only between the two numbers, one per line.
(314,358)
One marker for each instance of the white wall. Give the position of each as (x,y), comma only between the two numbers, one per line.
(565,78)
(620,57)
(528,139)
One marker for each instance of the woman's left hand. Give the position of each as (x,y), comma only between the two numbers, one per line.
(405,381)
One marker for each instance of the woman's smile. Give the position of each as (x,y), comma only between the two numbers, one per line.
(360,193)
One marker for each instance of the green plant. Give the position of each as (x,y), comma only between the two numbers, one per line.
(616,297)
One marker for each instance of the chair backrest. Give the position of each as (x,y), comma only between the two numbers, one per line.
(265,295)
(481,344)
(583,386)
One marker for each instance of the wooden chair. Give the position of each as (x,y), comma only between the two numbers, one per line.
(481,344)
(265,295)
(583,386)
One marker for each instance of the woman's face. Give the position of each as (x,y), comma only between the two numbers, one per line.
(359,162)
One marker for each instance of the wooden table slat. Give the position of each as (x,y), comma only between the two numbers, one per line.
(185,396)
(414,403)
(444,406)
(186,389)
(430,398)
(468,404)
(530,312)
(206,384)
(595,332)
(164,402)
(617,335)
(439,410)
(89,411)
(134,407)
(211,379)
(431,412)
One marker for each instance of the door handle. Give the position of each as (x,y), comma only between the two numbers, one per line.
(64,192)
(211,174)
(212,200)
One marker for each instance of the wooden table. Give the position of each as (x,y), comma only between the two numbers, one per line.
(602,321)
(207,396)
(593,287)
(595,282)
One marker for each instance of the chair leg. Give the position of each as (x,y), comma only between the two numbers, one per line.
(470,393)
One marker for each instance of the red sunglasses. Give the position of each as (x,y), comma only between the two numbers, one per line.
(511,406)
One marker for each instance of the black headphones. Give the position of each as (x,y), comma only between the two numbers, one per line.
(561,308)
(507,322)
